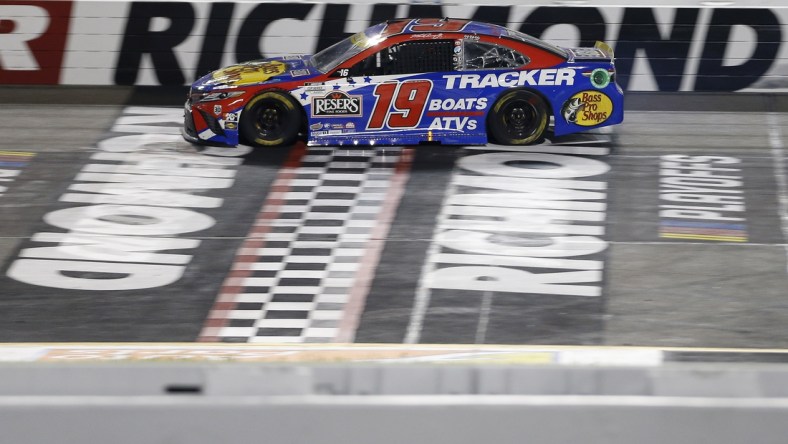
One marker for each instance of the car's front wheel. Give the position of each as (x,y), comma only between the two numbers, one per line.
(518,118)
(271,118)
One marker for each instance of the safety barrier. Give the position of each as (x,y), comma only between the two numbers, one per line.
(678,46)
(391,404)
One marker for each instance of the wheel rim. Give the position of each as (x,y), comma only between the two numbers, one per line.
(520,119)
(270,119)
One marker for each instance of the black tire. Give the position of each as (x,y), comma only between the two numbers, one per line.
(271,118)
(518,118)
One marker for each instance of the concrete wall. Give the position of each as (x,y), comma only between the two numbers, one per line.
(674,46)
(359,404)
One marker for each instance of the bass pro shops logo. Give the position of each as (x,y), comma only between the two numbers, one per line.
(336,104)
(587,108)
(32,40)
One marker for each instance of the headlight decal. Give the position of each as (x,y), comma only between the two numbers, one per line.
(213,96)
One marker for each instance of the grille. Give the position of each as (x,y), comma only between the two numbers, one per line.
(213,124)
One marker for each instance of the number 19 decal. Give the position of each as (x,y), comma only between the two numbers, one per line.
(409,99)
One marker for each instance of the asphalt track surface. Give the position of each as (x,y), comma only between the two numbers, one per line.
(665,261)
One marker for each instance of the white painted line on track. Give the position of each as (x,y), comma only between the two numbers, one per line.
(484,318)
(778,154)
(423,294)
(551,149)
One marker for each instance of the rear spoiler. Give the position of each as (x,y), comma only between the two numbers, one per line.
(605,48)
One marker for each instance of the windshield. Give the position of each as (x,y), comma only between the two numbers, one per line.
(536,42)
(337,53)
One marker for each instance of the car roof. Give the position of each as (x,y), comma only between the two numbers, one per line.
(471,27)
(406,26)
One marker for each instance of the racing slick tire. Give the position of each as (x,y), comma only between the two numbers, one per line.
(271,118)
(518,118)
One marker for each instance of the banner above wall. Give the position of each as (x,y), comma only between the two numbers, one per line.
(172,43)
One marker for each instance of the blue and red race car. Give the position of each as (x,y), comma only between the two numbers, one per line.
(410,81)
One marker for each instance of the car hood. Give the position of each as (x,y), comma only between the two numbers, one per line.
(257,72)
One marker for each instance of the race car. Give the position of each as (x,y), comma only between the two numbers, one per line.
(406,82)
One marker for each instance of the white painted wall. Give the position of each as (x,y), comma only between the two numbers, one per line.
(96,31)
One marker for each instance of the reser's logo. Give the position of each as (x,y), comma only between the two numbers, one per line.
(336,104)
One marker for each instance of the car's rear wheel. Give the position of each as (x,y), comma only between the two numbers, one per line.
(272,118)
(518,118)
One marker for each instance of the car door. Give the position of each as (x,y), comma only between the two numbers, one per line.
(397,85)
